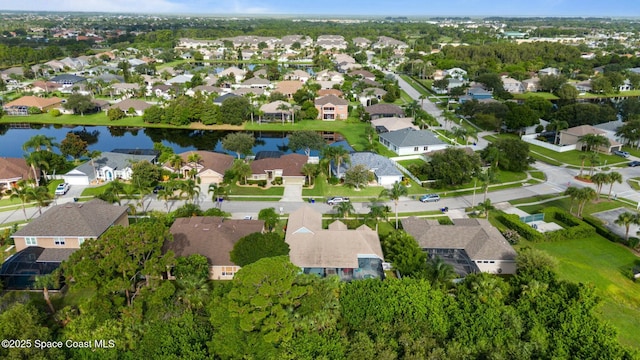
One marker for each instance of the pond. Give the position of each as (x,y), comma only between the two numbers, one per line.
(107,138)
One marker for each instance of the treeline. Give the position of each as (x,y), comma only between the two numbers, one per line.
(271,311)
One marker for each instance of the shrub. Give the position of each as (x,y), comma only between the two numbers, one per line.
(333,180)
(32,110)
(601,230)
(55,112)
(576,228)
(513,222)
(277,181)
(512,236)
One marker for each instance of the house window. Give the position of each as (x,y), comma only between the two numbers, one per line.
(58,241)
(416,148)
(80,241)
(31,241)
(228,270)
(425,148)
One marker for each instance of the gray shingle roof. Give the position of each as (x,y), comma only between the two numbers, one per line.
(89,220)
(379,164)
(116,161)
(411,137)
(477,237)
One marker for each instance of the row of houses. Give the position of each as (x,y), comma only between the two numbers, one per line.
(471,245)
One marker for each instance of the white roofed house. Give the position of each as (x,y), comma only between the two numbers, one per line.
(109,166)
(384,170)
(512,85)
(237,73)
(349,254)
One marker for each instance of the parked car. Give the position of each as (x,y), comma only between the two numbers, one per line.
(621,153)
(634,163)
(337,199)
(157,188)
(430,198)
(62,189)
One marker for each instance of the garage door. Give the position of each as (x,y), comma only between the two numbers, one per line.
(292,180)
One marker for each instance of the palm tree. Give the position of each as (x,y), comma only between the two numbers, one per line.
(494,156)
(45,282)
(190,188)
(593,141)
(41,195)
(283,107)
(194,159)
(594,160)
(39,142)
(242,169)
(378,212)
(412,107)
(343,209)
(599,179)
(193,291)
(613,177)
(340,155)
(422,98)
(487,177)
(557,125)
(113,192)
(572,192)
(583,157)
(626,219)
(310,171)
(394,193)
(585,195)
(21,191)
(175,161)
(36,161)
(327,155)
(472,133)
(459,132)
(485,206)
(439,272)
(94,154)
(216,190)
(167,193)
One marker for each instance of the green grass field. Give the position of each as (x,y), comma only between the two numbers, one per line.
(604,264)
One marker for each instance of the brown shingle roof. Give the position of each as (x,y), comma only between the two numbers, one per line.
(291,164)
(324,92)
(584,130)
(383,109)
(210,160)
(288,87)
(477,237)
(137,105)
(89,220)
(34,101)
(331,99)
(11,168)
(209,236)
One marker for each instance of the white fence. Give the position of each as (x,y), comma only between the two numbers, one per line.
(403,169)
(531,139)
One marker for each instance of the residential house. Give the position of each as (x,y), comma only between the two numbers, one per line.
(132,106)
(334,92)
(299,75)
(12,72)
(210,169)
(572,136)
(179,79)
(288,40)
(288,87)
(512,85)
(67,81)
(288,167)
(107,167)
(582,86)
(469,245)
(121,89)
(388,42)
(384,170)
(255,83)
(212,237)
(235,73)
(68,225)
(328,42)
(371,93)
(456,73)
(327,75)
(531,85)
(548,71)
(331,107)
(13,170)
(39,87)
(245,91)
(220,99)
(410,141)
(363,74)
(349,254)
(51,238)
(275,111)
(204,89)
(361,42)
(20,106)
(383,125)
(377,111)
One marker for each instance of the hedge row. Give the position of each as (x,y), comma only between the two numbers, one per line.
(601,229)
(513,222)
(576,228)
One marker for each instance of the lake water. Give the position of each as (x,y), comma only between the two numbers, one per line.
(104,138)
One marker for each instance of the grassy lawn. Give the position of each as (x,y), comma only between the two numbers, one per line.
(527,95)
(419,87)
(604,264)
(509,176)
(536,174)
(573,157)
(632,150)
(565,203)
(98,190)
(532,199)
(634,183)
(255,190)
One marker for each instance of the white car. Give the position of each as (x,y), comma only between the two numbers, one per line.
(62,189)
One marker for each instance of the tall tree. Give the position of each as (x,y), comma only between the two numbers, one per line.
(626,219)
(22,192)
(307,140)
(357,176)
(394,193)
(72,145)
(613,177)
(240,143)
(41,195)
(402,250)
(256,246)
(593,141)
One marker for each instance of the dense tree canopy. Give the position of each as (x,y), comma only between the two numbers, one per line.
(510,154)
(256,246)
(453,166)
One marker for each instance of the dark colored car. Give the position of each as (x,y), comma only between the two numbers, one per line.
(634,163)
(157,188)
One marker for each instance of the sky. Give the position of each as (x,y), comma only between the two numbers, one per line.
(593,8)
